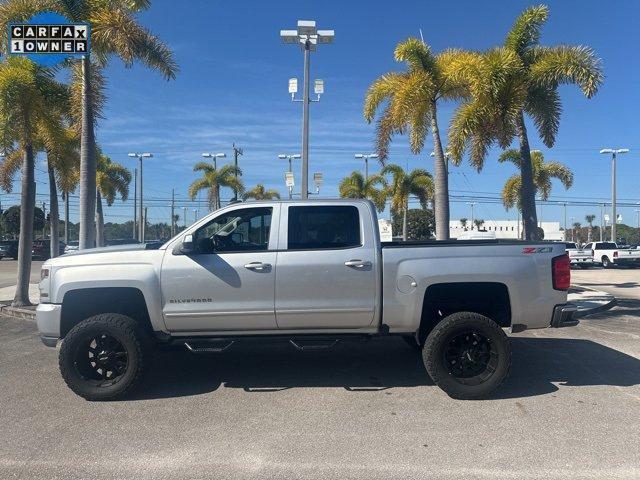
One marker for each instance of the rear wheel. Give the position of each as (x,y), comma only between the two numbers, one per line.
(467,355)
(606,263)
(103,357)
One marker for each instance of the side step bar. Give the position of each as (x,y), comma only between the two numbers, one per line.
(208,346)
(305,345)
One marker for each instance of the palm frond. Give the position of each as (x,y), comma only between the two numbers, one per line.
(525,32)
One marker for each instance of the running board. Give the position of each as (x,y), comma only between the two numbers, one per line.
(208,346)
(313,344)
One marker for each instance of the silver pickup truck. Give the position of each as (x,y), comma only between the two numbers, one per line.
(314,272)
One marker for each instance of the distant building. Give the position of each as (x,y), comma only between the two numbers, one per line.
(502,229)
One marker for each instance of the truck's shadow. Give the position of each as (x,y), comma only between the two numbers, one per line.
(539,364)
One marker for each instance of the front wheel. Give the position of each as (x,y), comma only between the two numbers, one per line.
(103,357)
(467,355)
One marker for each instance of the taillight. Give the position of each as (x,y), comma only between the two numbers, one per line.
(561,272)
(615,254)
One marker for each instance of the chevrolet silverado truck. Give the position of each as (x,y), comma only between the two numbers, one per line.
(609,254)
(313,272)
(580,257)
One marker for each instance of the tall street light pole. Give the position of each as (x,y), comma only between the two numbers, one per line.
(295,156)
(614,217)
(237,152)
(214,157)
(472,204)
(141,218)
(366,157)
(135,201)
(308,37)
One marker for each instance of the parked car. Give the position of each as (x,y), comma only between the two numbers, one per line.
(578,255)
(72,246)
(9,249)
(312,271)
(42,249)
(609,254)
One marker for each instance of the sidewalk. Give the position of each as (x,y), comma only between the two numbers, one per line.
(587,300)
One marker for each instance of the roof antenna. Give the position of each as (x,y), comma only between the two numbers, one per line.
(421,37)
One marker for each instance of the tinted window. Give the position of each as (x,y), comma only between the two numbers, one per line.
(323,227)
(244,230)
(606,246)
(570,245)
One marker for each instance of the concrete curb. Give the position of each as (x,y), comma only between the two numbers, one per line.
(18,312)
(600,308)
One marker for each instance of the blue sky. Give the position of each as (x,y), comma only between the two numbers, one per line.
(233,88)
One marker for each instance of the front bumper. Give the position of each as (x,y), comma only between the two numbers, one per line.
(563,316)
(48,317)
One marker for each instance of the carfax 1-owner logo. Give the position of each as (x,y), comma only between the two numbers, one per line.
(49,38)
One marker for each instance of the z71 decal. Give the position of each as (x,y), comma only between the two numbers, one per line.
(537,250)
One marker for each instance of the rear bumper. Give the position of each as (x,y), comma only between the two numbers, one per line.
(48,319)
(575,261)
(563,316)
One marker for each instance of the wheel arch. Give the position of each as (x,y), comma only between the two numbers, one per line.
(490,299)
(82,303)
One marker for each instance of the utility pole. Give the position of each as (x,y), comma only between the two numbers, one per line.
(565,221)
(135,201)
(66,218)
(144,223)
(237,152)
(307,37)
(184,216)
(602,222)
(173,209)
(44,225)
(638,213)
(140,156)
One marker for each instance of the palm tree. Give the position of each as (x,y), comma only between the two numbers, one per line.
(522,78)
(542,174)
(463,223)
(418,182)
(589,218)
(478,223)
(29,98)
(260,193)
(112,180)
(576,226)
(114,31)
(215,179)
(355,186)
(412,99)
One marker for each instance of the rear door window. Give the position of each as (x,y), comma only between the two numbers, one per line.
(323,227)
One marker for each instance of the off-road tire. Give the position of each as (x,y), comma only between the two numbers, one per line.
(132,337)
(456,324)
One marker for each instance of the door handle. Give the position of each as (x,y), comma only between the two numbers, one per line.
(258,266)
(357,263)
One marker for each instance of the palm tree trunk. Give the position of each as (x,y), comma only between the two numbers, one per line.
(99,221)
(441,181)
(527,191)
(87,163)
(54,214)
(25,243)
(404,222)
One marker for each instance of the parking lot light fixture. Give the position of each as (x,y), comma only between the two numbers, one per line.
(295,156)
(308,37)
(215,157)
(614,217)
(366,157)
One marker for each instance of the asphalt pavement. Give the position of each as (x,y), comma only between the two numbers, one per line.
(570,409)
(9,267)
